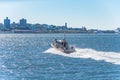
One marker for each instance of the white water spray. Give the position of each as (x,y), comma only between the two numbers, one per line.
(111,57)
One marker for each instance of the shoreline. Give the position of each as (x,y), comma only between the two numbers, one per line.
(52,32)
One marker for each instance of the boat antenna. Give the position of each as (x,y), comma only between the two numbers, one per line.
(64,30)
(64,36)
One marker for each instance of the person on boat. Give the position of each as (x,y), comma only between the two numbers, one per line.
(65,44)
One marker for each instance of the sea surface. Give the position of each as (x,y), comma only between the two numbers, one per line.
(30,57)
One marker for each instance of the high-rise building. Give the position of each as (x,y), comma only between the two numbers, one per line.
(23,22)
(64,27)
(65,24)
(7,22)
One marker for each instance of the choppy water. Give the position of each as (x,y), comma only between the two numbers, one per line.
(29,57)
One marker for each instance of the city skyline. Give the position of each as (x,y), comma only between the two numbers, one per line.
(24,27)
(98,14)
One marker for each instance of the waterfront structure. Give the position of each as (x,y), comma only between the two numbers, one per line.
(1,26)
(23,23)
(117,30)
(65,24)
(7,23)
(14,25)
(84,28)
(64,27)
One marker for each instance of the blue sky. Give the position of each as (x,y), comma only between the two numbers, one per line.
(101,14)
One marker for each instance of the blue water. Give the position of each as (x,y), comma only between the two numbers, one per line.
(29,57)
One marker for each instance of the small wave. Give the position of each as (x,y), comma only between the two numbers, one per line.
(111,57)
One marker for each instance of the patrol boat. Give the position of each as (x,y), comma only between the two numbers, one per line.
(63,46)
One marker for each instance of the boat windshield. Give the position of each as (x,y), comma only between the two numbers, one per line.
(62,42)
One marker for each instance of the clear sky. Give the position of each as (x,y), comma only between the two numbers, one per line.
(101,14)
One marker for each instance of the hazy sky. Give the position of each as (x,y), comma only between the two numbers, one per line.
(101,14)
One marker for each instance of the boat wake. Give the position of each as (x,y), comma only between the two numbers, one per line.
(111,57)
